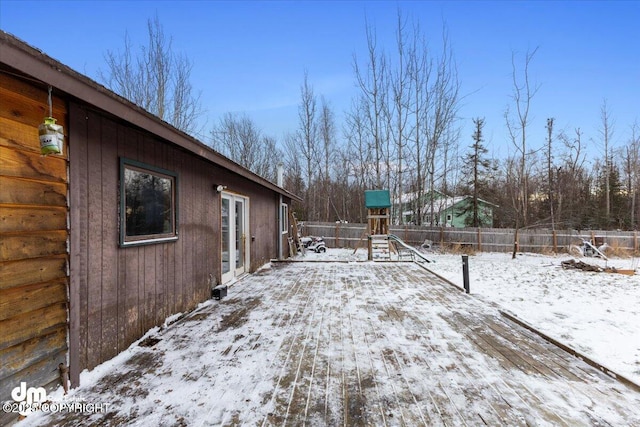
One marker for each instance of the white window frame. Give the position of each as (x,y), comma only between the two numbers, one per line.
(284,218)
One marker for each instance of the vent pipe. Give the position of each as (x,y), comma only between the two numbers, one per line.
(280,176)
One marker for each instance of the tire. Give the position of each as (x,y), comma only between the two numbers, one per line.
(322,249)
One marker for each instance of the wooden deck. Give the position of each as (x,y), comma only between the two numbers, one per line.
(377,344)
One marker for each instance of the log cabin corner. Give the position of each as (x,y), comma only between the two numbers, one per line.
(132,222)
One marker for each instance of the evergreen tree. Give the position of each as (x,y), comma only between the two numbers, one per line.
(610,202)
(477,168)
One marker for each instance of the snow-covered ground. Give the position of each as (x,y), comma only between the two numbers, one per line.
(597,314)
(180,382)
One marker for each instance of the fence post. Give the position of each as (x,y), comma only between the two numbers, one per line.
(337,240)
(555,241)
(479,240)
(465,272)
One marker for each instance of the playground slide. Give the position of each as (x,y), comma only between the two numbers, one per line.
(411,248)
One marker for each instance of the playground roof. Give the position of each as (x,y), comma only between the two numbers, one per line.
(377,199)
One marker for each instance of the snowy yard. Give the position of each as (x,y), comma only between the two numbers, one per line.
(363,343)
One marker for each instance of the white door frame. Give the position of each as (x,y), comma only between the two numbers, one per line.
(234,241)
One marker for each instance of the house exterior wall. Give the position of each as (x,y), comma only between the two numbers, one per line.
(69,291)
(263,216)
(462,214)
(449,211)
(118,293)
(33,242)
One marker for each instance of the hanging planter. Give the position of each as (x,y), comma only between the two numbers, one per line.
(51,134)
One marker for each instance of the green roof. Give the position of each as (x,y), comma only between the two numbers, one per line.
(377,199)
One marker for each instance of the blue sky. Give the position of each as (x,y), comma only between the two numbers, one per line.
(251,56)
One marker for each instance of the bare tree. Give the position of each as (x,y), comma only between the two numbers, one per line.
(327,131)
(606,132)
(570,179)
(445,100)
(399,107)
(406,112)
(517,126)
(241,140)
(186,108)
(156,79)
(307,141)
(374,92)
(632,171)
(420,69)
(294,177)
(359,156)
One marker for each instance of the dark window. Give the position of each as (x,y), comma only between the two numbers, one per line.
(148,204)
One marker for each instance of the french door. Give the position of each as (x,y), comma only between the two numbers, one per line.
(235,228)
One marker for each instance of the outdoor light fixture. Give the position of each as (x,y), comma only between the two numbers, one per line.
(221,188)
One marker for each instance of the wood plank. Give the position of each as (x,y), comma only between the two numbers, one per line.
(23,108)
(179,260)
(133,307)
(170,273)
(150,154)
(33,324)
(36,218)
(528,344)
(142,325)
(128,146)
(125,282)
(35,270)
(19,136)
(23,299)
(121,303)
(32,245)
(93,253)
(160,284)
(109,168)
(26,164)
(563,355)
(188,209)
(20,95)
(149,301)
(16,358)
(78,220)
(42,374)
(24,137)
(20,191)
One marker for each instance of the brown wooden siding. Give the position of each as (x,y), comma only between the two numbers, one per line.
(33,241)
(118,293)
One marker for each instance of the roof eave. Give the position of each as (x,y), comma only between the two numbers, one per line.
(34,63)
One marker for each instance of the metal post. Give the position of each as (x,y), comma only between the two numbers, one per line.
(465,272)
